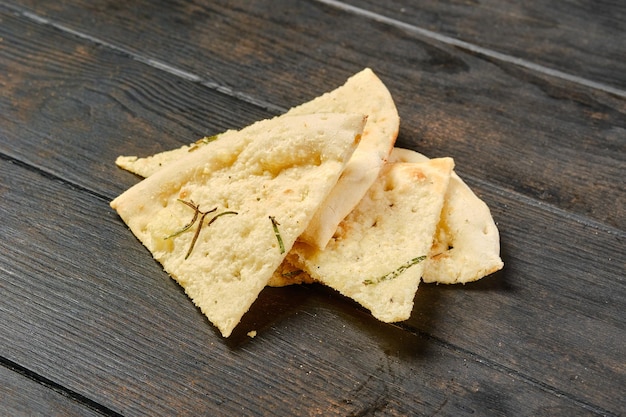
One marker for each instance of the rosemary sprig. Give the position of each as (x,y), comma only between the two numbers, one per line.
(202,215)
(195,236)
(275,225)
(192,222)
(395,273)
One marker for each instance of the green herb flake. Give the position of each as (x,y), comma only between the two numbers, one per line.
(191,223)
(396,273)
(202,215)
(275,225)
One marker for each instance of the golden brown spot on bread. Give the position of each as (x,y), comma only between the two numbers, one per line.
(417,174)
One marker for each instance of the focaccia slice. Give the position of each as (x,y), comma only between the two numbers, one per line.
(467,242)
(377,255)
(221,219)
(363,93)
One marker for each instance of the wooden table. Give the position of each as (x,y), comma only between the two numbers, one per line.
(529,98)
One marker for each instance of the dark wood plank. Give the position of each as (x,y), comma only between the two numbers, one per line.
(61,96)
(84,304)
(560,297)
(550,139)
(579,38)
(23,396)
(123,334)
(555,310)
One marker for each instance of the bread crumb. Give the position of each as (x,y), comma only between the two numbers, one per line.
(252,333)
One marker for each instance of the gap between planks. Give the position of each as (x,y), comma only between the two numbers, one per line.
(425,33)
(501,191)
(151,62)
(58,388)
(470,355)
(475,49)
(177,72)
(53,177)
(510,372)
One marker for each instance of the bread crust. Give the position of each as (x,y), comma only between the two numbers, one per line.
(376,256)
(269,179)
(467,242)
(363,93)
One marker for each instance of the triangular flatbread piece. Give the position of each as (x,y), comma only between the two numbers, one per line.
(221,219)
(376,256)
(363,93)
(466,247)
(467,242)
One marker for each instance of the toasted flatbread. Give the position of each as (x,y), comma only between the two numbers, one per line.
(221,219)
(467,242)
(376,255)
(288,274)
(144,167)
(363,93)
(466,245)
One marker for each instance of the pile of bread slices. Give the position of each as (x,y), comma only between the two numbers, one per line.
(318,194)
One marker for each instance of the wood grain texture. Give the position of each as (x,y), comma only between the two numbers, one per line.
(557,299)
(580,38)
(550,139)
(60,103)
(124,335)
(85,306)
(24,396)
